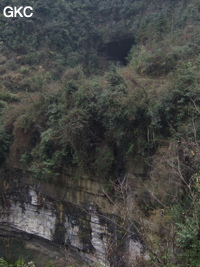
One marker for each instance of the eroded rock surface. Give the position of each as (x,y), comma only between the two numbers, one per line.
(71,217)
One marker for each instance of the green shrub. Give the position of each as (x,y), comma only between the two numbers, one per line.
(24,70)
(18,263)
(152,63)
(114,78)
(3,263)
(5,139)
(2,105)
(6,96)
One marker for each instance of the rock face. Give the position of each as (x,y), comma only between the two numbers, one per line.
(29,218)
(71,216)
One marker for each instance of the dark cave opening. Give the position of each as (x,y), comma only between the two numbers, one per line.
(117,51)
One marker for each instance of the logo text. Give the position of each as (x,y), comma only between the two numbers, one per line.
(13,12)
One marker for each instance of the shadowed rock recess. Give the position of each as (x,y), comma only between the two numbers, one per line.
(116,52)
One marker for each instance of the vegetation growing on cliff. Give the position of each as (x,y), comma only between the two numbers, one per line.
(61,109)
(18,263)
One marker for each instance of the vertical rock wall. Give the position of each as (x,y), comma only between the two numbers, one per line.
(64,214)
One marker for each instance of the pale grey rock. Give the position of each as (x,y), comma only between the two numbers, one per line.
(34,197)
(99,240)
(71,235)
(135,249)
(40,222)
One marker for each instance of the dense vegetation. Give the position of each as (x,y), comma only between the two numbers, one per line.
(18,263)
(59,108)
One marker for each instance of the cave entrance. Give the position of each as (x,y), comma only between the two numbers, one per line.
(116,52)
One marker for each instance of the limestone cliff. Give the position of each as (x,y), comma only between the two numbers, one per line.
(75,215)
